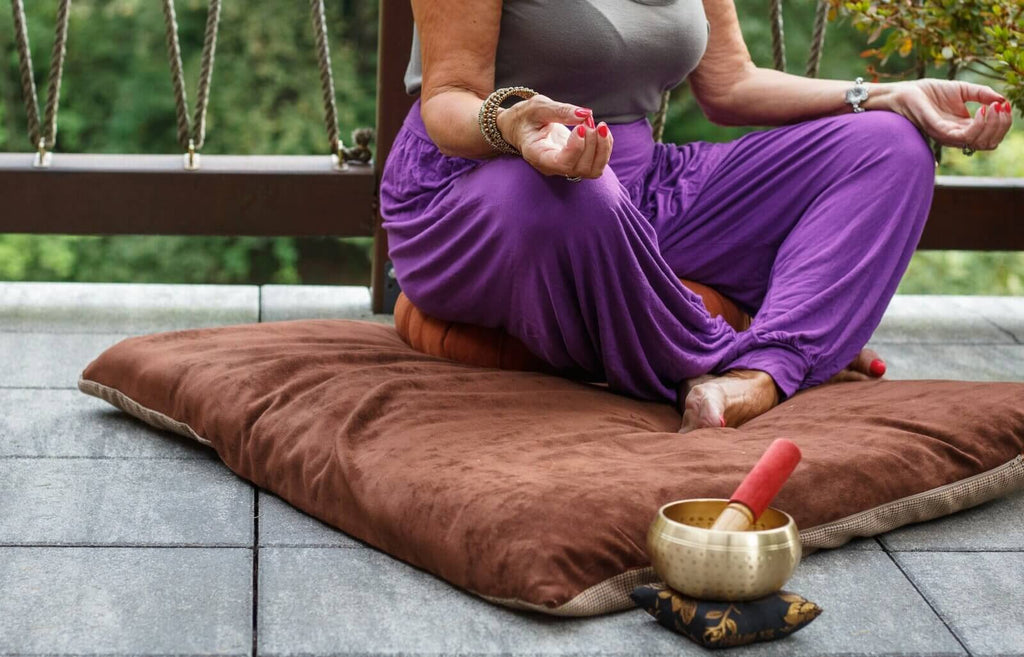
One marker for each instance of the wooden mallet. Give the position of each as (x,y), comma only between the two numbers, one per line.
(757,490)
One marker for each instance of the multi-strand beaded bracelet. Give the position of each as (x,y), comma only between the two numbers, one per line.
(488,117)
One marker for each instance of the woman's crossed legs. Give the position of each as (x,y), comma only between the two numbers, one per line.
(808,226)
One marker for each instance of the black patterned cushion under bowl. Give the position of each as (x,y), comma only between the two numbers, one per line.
(726,624)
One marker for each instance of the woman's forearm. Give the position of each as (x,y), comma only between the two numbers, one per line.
(450,117)
(764,96)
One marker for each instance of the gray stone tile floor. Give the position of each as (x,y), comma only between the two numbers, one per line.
(120,539)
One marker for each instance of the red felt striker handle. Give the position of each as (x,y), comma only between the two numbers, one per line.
(760,487)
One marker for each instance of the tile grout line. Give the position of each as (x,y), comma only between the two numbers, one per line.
(124,546)
(928,602)
(86,457)
(255,566)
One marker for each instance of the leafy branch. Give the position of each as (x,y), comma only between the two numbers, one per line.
(956,34)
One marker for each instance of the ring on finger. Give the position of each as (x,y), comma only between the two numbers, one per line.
(574,178)
(968,151)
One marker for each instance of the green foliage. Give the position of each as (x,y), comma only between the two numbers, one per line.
(964,272)
(948,34)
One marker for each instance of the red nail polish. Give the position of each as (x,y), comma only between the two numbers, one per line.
(590,121)
(603,130)
(722,419)
(877,367)
(984,109)
(581,130)
(583,112)
(1008,109)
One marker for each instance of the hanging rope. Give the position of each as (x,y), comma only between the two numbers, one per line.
(191,136)
(778,54)
(43,137)
(658,127)
(818,40)
(778,38)
(361,151)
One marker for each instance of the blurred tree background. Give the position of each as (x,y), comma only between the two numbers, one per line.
(117,98)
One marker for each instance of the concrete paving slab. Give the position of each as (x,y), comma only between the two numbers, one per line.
(123,502)
(123,307)
(995,525)
(49,360)
(979,594)
(285,302)
(281,524)
(68,423)
(948,361)
(320,601)
(125,601)
(935,319)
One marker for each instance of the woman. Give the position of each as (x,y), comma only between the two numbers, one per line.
(562,221)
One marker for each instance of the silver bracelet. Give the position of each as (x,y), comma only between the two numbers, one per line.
(488,117)
(857,95)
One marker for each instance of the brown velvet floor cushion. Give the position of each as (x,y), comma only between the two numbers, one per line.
(493,347)
(529,489)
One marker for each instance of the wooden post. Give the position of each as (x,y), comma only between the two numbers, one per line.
(394,42)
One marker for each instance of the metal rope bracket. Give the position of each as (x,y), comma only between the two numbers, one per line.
(191,136)
(43,137)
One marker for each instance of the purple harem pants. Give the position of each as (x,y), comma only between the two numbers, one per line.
(807,227)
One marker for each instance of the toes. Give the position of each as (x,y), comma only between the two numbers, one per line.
(690,384)
(702,409)
(869,363)
(849,375)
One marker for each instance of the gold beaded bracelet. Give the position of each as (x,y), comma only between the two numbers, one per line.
(488,117)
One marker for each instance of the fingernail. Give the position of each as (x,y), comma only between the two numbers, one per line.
(581,130)
(984,109)
(1008,107)
(877,367)
(603,130)
(590,121)
(583,112)
(722,420)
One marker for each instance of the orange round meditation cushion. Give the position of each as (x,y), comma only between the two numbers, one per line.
(493,347)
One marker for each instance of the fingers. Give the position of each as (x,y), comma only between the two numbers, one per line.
(586,153)
(541,109)
(997,118)
(979,93)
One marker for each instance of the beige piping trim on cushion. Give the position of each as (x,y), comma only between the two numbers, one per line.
(934,503)
(605,597)
(132,407)
(613,593)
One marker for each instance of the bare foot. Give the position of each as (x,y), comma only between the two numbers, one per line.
(727,400)
(863,368)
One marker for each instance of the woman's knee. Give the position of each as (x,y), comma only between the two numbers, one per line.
(896,141)
(501,214)
(534,210)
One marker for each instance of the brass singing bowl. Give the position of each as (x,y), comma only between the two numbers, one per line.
(722,565)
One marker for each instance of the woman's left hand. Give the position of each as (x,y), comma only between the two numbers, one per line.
(939,108)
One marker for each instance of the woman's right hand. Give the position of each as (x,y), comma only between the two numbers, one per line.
(537,127)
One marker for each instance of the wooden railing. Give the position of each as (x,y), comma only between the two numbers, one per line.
(306,196)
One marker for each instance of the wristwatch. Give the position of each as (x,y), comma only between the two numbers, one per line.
(857,95)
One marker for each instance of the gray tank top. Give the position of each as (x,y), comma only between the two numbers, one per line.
(613,56)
